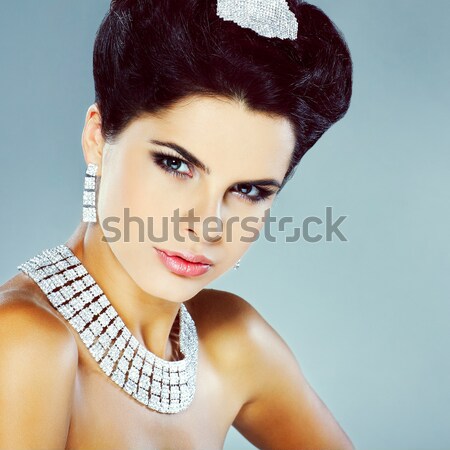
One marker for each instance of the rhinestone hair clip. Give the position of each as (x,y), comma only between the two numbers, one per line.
(269,18)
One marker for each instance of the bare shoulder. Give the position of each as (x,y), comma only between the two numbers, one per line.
(280,408)
(23,304)
(39,360)
(28,325)
(239,339)
(227,314)
(224,319)
(220,306)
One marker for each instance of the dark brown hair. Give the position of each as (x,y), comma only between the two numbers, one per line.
(148,54)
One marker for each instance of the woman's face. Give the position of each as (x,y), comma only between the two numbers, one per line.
(144,180)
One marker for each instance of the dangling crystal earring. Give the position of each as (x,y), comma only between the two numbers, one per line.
(236,266)
(89,209)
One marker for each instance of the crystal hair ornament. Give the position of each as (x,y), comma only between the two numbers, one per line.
(161,385)
(269,18)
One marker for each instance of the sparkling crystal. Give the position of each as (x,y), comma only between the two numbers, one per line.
(138,362)
(118,377)
(56,298)
(73,260)
(77,322)
(105,340)
(50,270)
(147,368)
(67,311)
(164,390)
(47,286)
(142,396)
(97,351)
(107,365)
(128,353)
(141,352)
(112,331)
(175,392)
(126,334)
(154,402)
(67,292)
(104,319)
(156,387)
(76,303)
(130,386)
(157,374)
(61,265)
(78,286)
(119,322)
(40,274)
(86,314)
(144,382)
(70,274)
(95,308)
(96,328)
(89,281)
(59,280)
(80,270)
(182,377)
(165,406)
(149,358)
(85,297)
(89,183)
(165,377)
(91,169)
(111,312)
(133,374)
(114,352)
(123,365)
(269,19)
(133,342)
(89,214)
(89,198)
(87,337)
(121,342)
(102,300)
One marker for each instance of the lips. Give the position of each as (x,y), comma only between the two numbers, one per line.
(180,266)
(189,257)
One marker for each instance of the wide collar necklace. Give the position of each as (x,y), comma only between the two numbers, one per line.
(163,386)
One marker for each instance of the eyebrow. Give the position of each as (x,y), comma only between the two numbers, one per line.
(197,163)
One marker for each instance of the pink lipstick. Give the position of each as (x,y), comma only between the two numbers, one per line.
(177,264)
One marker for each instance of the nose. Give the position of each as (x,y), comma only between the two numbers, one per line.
(205,221)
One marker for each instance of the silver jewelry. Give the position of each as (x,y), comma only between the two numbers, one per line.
(163,386)
(269,18)
(236,266)
(89,208)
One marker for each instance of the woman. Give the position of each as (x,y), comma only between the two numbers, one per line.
(203,111)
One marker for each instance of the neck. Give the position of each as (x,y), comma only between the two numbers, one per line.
(150,319)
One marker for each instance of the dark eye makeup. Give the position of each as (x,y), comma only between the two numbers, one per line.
(172,164)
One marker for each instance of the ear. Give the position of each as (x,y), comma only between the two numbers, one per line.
(92,140)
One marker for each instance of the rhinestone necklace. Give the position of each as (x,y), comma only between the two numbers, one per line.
(163,386)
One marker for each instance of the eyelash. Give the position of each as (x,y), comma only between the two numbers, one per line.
(160,157)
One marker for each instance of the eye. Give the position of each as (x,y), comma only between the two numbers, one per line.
(173,165)
(253,193)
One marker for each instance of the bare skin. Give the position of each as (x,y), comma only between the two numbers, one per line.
(54,392)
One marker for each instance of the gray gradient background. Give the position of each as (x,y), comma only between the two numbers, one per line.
(368,318)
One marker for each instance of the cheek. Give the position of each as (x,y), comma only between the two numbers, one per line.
(142,207)
(137,184)
(242,229)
